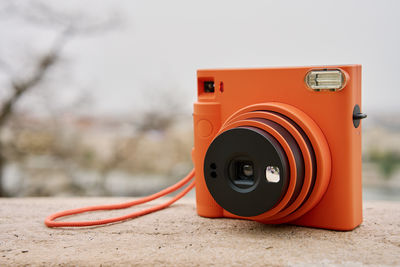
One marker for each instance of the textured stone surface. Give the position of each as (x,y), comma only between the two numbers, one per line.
(177,236)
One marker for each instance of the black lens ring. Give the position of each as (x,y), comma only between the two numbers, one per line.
(257,146)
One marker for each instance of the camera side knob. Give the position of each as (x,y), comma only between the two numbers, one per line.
(358,116)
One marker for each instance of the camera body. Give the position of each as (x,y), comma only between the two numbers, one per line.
(280,145)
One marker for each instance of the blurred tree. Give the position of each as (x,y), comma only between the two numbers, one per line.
(387,161)
(162,110)
(160,113)
(66,27)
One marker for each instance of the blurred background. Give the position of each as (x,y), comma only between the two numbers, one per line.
(96,96)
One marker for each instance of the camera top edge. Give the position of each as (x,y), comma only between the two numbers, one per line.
(199,71)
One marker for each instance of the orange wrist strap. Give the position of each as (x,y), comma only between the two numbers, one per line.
(50,221)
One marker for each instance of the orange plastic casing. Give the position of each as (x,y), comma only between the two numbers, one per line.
(336,199)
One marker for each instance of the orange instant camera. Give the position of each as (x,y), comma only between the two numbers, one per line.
(280,145)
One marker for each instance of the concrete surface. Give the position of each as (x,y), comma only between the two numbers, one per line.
(177,236)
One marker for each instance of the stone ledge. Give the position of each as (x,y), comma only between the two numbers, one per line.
(177,236)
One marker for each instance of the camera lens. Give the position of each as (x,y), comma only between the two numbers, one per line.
(241,173)
(243,183)
(247,170)
(255,171)
(267,163)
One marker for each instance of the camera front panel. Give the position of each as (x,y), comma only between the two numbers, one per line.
(323,147)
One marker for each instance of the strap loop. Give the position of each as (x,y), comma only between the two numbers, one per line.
(50,220)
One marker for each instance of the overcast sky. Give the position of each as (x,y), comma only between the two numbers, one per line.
(161,44)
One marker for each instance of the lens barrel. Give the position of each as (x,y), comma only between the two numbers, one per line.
(256,164)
